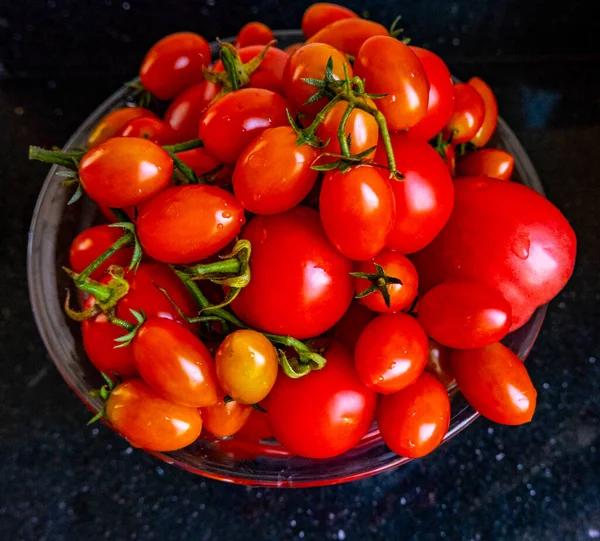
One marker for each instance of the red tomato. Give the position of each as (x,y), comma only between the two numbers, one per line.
(441,95)
(174,63)
(91,243)
(238,118)
(507,236)
(199,160)
(291,49)
(149,421)
(300,284)
(467,116)
(492,162)
(324,413)
(320,15)
(348,35)
(273,173)
(254,33)
(394,265)
(414,421)
(224,419)
(113,122)
(357,210)
(112,217)
(485,132)
(149,128)
(425,197)
(256,427)
(353,322)
(450,159)
(495,382)
(185,111)
(124,171)
(390,67)
(188,223)
(438,364)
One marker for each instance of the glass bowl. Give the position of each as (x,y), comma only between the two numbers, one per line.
(53,227)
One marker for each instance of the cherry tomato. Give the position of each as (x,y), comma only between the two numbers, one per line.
(149,128)
(291,49)
(467,116)
(92,243)
(309,62)
(485,132)
(357,210)
(185,111)
(495,382)
(124,171)
(224,419)
(438,364)
(254,33)
(390,67)
(256,427)
(149,421)
(441,95)
(246,364)
(324,413)
(273,173)
(174,63)
(348,35)
(188,223)
(238,118)
(353,322)
(394,265)
(391,353)
(110,125)
(492,162)
(425,197)
(300,284)
(199,160)
(320,15)
(414,421)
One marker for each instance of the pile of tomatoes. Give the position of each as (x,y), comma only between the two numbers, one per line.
(303,242)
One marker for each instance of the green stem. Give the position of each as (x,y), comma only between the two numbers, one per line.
(122,323)
(123,241)
(181,147)
(57,157)
(288,341)
(120,215)
(310,131)
(227,266)
(186,171)
(229,63)
(341,135)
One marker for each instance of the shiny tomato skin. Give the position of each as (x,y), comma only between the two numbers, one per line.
(318,16)
(467,116)
(188,223)
(348,35)
(125,171)
(254,33)
(357,210)
(233,122)
(390,67)
(174,63)
(438,364)
(153,129)
(149,421)
(199,160)
(224,419)
(309,292)
(273,173)
(185,111)
(492,162)
(495,382)
(112,123)
(441,95)
(348,329)
(324,413)
(424,199)
(256,427)
(485,132)
(414,421)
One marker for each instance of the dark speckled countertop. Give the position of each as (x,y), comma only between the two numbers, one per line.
(62,480)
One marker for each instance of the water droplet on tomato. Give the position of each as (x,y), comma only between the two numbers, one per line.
(521,245)
(226,215)
(219,226)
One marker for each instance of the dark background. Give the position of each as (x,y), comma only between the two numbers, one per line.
(62,480)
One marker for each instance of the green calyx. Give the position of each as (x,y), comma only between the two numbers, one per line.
(103,393)
(126,339)
(379,282)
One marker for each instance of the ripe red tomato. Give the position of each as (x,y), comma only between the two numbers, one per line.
(153,129)
(113,122)
(495,382)
(425,197)
(414,421)
(438,364)
(300,284)
(224,419)
(324,413)
(174,63)
(390,67)
(320,15)
(485,132)
(92,243)
(185,111)
(441,95)
(353,322)
(256,427)
(187,223)
(254,33)
(273,173)
(149,421)
(124,171)
(233,122)
(492,162)
(357,210)
(348,35)
(394,265)
(450,159)
(199,160)
(467,116)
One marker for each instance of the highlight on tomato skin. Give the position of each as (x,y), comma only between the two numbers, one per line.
(490,120)
(493,162)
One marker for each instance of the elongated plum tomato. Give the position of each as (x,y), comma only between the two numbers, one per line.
(188,223)
(174,63)
(441,95)
(124,171)
(300,284)
(225,419)
(324,413)
(495,382)
(390,67)
(438,364)
(467,116)
(254,33)
(113,122)
(391,353)
(149,421)
(199,160)
(490,119)
(273,173)
(353,322)
(492,162)
(357,210)
(153,129)
(348,35)
(425,197)
(310,62)
(322,14)
(185,111)
(464,314)
(175,363)
(414,421)
(233,122)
